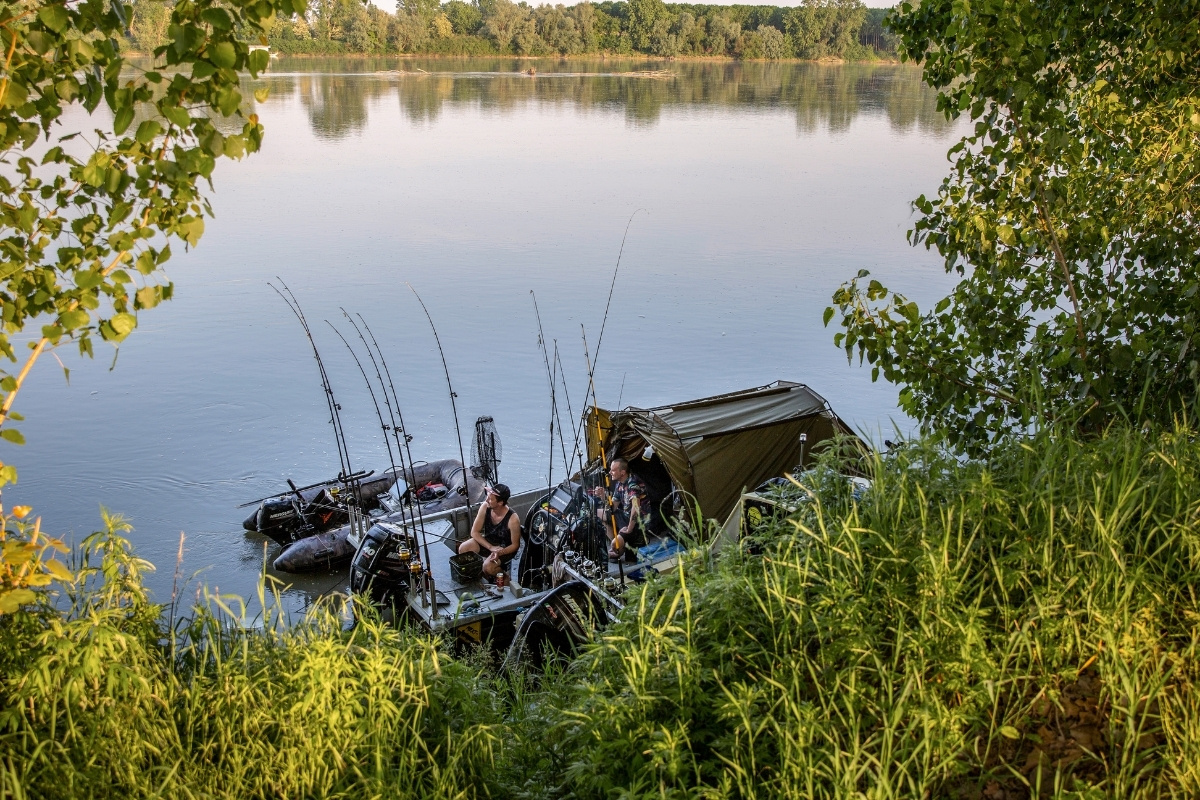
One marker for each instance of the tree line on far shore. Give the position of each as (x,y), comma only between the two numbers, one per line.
(844,29)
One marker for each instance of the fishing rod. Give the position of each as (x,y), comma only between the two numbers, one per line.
(576,452)
(366,473)
(550,375)
(608,493)
(371,391)
(403,435)
(608,305)
(397,429)
(453,394)
(339,434)
(379,414)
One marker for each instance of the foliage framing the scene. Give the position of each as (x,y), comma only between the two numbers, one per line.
(1069,214)
(89,201)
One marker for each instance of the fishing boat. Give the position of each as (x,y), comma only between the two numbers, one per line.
(696,458)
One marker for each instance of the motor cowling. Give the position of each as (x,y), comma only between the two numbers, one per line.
(278,517)
(379,571)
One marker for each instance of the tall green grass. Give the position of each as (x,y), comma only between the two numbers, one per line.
(1017,628)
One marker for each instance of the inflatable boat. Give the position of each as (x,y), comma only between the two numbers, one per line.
(433,487)
(306,511)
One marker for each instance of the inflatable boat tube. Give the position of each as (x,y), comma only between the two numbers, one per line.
(324,552)
(450,473)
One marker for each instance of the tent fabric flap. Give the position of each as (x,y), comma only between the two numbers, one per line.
(717,447)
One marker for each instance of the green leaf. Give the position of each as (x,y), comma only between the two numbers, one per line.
(122,119)
(1009,732)
(223,54)
(190,229)
(262,94)
(148,296)
(73,320)
(122,325)
(13,599)
(829,312)
(148,131)
(54,17)
(12,435)
(145,262)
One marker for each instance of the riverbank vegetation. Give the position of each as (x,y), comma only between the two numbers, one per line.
(817,29)
(1022,625)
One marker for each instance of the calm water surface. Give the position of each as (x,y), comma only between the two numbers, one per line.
(764,186)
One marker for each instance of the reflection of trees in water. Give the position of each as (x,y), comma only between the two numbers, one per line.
(827,96)
(337,104)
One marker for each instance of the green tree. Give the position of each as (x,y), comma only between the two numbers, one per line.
(465,18)
(1069,215)
(87,215)
(645,17)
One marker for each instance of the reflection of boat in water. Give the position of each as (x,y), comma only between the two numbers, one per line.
(432,488)
(305,511)
(696,459)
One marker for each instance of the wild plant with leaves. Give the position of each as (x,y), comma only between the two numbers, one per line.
(90,202)
(1069,216)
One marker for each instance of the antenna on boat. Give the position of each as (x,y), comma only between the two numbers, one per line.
(335,419)
(453,406)
(402,436)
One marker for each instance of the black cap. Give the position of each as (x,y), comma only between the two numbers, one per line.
(501,491)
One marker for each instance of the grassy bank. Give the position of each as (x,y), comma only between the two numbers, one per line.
(1025,626)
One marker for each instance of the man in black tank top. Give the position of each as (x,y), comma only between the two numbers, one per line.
(496,531)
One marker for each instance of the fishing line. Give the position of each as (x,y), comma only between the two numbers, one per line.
(453,394)
(335,419)
(374,401)
(592,362)
(550,375)
(396,432)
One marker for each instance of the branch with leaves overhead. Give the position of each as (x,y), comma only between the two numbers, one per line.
(1069,215)
(88,211)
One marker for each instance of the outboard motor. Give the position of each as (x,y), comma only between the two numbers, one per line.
(279,519)
(383,565)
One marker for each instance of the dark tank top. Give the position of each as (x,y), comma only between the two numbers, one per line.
(497,534)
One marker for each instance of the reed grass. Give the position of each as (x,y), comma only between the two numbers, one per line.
(1021,627)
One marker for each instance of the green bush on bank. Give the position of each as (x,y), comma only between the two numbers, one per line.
(1022,626)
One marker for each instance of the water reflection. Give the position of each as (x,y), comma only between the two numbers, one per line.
(337,93)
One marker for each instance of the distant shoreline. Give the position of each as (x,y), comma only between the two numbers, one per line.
(829,60)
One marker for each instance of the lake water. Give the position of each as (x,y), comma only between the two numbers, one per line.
(762,188)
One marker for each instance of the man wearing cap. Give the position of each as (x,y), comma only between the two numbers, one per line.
(496,531)
(631,510)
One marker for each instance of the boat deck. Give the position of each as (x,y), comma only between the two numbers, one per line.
(460,604)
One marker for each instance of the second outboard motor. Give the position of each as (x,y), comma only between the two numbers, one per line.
(383,565)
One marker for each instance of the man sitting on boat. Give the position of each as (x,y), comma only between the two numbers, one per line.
(496,531)
(631,510)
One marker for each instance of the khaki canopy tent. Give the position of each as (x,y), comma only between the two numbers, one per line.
(714,448)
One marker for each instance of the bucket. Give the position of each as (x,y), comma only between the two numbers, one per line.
(466,567)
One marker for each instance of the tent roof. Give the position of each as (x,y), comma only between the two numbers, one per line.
(715,447)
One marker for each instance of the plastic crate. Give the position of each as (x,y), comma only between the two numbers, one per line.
(466,567)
